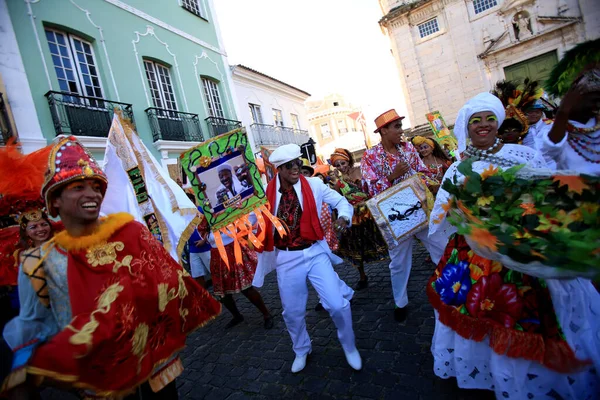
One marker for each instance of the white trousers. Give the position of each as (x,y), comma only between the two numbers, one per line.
(401,261)
(293,268)
(200,264)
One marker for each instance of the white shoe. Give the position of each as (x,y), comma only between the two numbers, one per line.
(299,363)
(353,359)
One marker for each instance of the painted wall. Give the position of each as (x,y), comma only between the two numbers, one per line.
(122,34)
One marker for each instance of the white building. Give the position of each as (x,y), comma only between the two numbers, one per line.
(450,50)
(271,110)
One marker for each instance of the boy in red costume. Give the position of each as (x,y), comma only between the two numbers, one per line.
(123,305)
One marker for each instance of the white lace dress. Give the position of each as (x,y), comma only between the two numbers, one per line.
(475,364)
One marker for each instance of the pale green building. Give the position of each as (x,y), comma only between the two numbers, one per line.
(66,64)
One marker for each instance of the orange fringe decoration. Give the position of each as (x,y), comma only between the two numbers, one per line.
(22,175)
(554,354)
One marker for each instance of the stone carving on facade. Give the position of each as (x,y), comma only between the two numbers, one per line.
(522,25)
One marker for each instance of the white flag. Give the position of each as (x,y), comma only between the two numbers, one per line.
(138,185)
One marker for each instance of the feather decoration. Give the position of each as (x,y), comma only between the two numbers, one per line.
(530,92)
(571,65)
(506,91)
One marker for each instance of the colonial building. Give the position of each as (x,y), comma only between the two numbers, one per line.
(334,122)
(67,64)
(271,110)
(449,50)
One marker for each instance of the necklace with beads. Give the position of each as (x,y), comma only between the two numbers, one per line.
(488,155)
(573,129)
(582,142)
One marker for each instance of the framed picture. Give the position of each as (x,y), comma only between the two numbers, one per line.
(401,211)
(225,178)
(270,170)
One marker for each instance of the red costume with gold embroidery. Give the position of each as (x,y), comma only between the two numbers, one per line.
(122,304)
(132,307)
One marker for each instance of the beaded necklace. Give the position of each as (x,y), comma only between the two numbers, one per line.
(488,155)
(583,143)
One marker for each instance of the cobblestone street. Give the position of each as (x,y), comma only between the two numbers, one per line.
(250,362)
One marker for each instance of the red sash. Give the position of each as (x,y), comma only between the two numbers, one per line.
(310,226)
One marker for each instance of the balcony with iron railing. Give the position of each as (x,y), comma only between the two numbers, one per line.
(174,125)
(5,124)
(73,114)
(218,126)
(269,135)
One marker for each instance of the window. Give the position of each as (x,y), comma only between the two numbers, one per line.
(211,91)
(75,64)
(335,104)
(277,117)
(161,88)
(255,113)
(342,126)
(482,5)
(428,28)
(325,132)
(194,7)
(295,121)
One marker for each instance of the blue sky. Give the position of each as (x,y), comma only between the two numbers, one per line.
(320,46)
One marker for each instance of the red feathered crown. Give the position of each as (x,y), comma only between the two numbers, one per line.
(68,162)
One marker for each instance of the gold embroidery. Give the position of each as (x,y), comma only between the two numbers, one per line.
(165,296)
(84,335)
(139,340)
(182,292)
(104,253)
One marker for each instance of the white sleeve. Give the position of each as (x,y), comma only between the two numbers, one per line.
(437,219)
(549,149)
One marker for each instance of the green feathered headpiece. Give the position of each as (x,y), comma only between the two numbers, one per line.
(571,65)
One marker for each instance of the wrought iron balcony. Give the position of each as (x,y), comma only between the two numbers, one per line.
(218,126)
(5,124)
(174,125)
(73,114)
(269,135)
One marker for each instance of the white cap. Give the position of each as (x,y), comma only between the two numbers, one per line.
(285,153)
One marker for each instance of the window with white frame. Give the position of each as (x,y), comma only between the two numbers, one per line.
(481,5)
(277,117)
(295,121)
(74,64)
(255,113)
(213,99)
(428,28)
(341,124)
(194,7)
(161,88)
(325,131)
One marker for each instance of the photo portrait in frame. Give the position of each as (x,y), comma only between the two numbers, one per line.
(225,178)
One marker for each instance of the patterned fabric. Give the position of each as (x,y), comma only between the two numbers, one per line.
(9,244)
(290,213)
(377,164)
(237,277)
(55,268)
(438,170)
(479,299)
(132,308)
(327,225)
(363,241)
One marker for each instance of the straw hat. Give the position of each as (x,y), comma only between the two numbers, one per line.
(386,118)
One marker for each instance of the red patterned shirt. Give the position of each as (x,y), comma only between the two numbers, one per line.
(377,164)
(290,212)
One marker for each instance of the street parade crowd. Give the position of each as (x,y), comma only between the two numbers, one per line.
(101,306)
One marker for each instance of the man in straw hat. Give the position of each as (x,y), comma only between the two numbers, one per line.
(302,252)
(382,166)
(123,305)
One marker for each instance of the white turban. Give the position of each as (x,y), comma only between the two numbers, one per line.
(285,153)
(482,102)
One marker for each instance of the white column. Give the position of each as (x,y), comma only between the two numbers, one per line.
(18,94)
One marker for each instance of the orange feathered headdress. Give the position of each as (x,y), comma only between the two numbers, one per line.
(21,179)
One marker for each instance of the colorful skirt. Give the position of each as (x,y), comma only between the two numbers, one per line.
(237,277)
(327,225)
(363,242)
(497,329)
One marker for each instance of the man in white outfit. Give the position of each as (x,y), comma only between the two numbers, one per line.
(302,253)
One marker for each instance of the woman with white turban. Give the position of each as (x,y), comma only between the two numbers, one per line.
(495,328)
